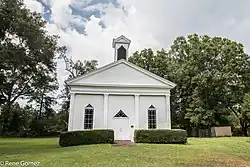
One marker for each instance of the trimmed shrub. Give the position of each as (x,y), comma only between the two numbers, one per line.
(161,136)
(73,138)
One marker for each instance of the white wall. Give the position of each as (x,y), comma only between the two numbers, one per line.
(80,102)
(159,102)
(126,103)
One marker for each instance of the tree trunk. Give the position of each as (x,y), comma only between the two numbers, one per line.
(7,109)
(41,107)
(244,128)
(209,131)
(6,116)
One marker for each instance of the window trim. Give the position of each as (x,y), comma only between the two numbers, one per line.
(152,108)
(84,111)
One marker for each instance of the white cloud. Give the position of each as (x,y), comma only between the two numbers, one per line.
(147,23)
(33,5)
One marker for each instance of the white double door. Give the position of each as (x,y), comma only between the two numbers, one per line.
(122,129)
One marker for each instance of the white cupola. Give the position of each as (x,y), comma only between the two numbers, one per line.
(121,46)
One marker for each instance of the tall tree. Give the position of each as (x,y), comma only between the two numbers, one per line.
(215,71)
(244,114)
(20,118)
(212,76)
(45,97)
(74,69)
(27,52)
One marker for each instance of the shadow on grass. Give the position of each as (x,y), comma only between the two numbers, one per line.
(14,148)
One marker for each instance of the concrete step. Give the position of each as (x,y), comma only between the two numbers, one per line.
(123,143)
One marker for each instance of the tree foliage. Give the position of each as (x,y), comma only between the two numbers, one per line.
(20,119)
(216,71)
(27,54)
(212,76)
(77,68)
(244,115)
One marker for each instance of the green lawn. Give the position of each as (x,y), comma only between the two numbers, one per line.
(211,152)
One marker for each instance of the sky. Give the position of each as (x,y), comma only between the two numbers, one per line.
(87,27)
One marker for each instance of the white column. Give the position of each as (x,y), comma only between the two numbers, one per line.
(71,112)
(105,109)
(168,112)
(137,111)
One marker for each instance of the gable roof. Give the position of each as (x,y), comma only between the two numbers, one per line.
(122,61)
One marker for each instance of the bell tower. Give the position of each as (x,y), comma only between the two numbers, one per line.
(121,47)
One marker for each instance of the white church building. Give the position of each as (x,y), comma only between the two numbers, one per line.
(120,96)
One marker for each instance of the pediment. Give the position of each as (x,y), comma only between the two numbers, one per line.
(121,39)
(121,73)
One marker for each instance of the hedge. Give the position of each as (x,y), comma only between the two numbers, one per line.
(161,136)
(31,134)
(73,138)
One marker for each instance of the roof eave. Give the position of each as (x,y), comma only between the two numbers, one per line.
(120,85)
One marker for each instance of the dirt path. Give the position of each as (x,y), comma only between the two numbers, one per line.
(221,160)
(231,161)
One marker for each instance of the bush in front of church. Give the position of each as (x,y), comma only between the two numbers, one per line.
(74,138)
(161,136)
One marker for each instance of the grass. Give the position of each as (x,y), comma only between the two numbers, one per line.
(210,152)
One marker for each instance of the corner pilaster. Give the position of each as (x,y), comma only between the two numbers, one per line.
(71,112)
(105,113)
(168,112)
(137,111)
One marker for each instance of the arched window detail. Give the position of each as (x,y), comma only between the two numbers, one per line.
(88,117)
(122,53)
(151,117)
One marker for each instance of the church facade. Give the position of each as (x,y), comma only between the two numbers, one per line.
(120,96)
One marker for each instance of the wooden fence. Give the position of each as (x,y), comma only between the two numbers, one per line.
(195,132)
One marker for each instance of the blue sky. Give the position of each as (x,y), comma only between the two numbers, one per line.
(87,27)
